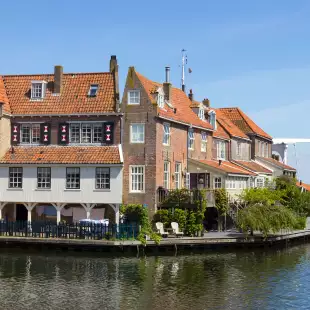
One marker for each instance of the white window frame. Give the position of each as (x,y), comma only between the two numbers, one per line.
(166,174)
(160,101)
(32,132)
(135,96)
(44,177)
(260,182)
(140,176)
(212,119)
(102,178)
(201,114)
(73,178)
(136,134)
(178,175)
(167,133)
(204,138)
(221,150)
(191,139)
(15,177)
(93,90)
(216,181)
(38,90)
(80,136)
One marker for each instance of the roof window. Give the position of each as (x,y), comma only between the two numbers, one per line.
(201,114)
(212,119)
(38,89)
(93,90)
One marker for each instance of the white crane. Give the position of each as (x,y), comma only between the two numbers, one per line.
(280,146)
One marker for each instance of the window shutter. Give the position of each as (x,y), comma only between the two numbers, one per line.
(108,132)
(15,133)
(63,133)
(45,133)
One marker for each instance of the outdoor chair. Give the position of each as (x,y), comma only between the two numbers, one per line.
(175,228)
(160,229)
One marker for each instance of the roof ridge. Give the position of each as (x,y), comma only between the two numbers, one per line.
(51,74)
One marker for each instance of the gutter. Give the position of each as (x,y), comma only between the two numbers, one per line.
(72,114)
(120,149)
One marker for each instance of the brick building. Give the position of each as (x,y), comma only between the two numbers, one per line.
(60,150)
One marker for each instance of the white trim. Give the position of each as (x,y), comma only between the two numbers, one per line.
(130,181)
(128,97)
(183,123)
(130,133)
(120,150)
(239,175)
(164,134)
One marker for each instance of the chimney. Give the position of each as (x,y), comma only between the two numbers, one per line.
(58,74)
(114,71)
(206,102)
(191,95)
(167,85)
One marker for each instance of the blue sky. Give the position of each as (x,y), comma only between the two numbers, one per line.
(251,54)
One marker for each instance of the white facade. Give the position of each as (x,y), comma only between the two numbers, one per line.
(29,193)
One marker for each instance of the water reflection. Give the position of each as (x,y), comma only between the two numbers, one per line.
(241,280)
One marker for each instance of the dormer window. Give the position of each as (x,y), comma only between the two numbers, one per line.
(160,101)
(38,89)
(212,119)
(93,90)
(201,114)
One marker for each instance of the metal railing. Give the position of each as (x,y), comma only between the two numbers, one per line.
(40,229)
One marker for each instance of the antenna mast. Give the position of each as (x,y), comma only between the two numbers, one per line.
(184,60)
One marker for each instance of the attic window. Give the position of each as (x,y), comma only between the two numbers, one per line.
(160,100)
(201,114)
(93,90)
(38,89)
(212,119)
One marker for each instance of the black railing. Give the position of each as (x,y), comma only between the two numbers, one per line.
(38,229)
(184,198)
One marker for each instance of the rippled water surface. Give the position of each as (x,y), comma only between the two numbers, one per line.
(274,279)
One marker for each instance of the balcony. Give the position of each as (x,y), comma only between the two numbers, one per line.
(184,198)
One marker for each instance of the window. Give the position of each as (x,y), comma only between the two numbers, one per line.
(134,97)
(93,90)
(166,140)
(217,182)
(238,151)
(30,133)
(259,148)
(230,183)
(44,177)
(102,178)
(260,182)
(137,133)
(160,100)
(187,180)
(177,176)
(167,174)
(201,114)
(137,179)
(73,178)
(262,149)
(85,133)
(221,150)
(16,177)
(212,119)
(38,89)
(266,149)
(191,139)
(203,142)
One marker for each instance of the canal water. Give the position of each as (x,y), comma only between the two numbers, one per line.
(254,279)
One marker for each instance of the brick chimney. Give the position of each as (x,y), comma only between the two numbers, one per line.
(114,71)
(167,85)
(191,95)
(206,102)
(58,74)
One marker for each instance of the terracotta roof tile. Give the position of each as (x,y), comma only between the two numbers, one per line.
(303,185)
(3,97)
(277,163)
(220,132)
(62,155)
(253,166)
(226,166)
(180,102)
(74,97)
(244,123)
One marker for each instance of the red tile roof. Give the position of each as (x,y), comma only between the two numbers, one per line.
(244,123)
(253,166)
(276,163)
(62,155)
(183,112)
(74,97)
(303,185)
(3,97)
(226,166)
(220,132)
